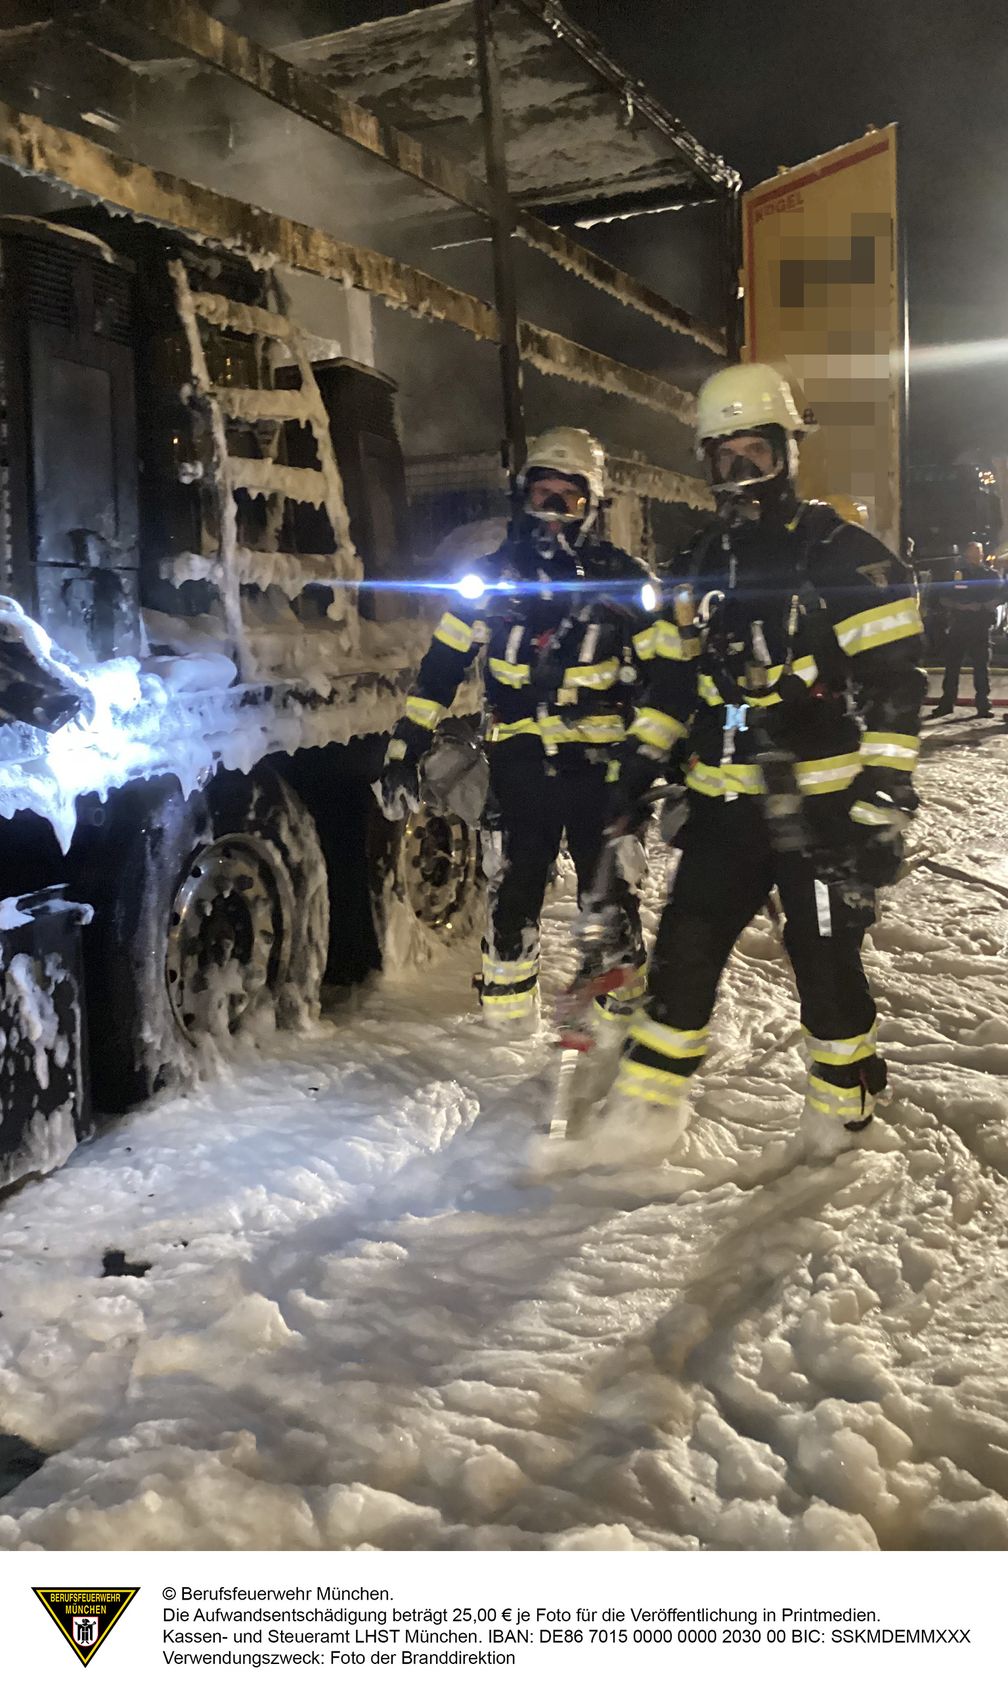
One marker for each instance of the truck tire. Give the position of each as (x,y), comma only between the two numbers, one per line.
(211,917)
(396,892)
(426,889)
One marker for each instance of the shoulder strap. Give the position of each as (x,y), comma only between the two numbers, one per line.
(700,550)
(812,525)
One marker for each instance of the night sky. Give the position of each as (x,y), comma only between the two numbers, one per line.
(772,84)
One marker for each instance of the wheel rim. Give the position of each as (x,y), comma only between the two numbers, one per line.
(228,935)
(438,857)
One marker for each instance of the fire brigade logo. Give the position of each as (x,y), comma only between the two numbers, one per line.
(84,1616)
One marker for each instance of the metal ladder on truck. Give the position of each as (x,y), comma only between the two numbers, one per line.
(269,408)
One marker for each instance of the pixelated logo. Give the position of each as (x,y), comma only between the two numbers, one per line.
(84,1616)
(824,303)
(853,265)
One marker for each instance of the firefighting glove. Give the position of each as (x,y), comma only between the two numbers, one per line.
(640,770)
(880,816)
(398,790)
(675,810)
(630,862)
(398,787)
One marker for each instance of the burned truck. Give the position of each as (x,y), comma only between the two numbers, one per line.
(243,452)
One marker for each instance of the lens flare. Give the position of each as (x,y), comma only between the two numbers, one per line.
(945,358)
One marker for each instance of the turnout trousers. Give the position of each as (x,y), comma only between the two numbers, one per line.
(726,874)
(536,805)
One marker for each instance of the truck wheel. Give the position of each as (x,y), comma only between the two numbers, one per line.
(438,863)
(217,921)
(425,884)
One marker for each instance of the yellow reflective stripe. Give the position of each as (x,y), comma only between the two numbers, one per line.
(895,752)
(879,627)
(773,671)
(663,1039)
(719,779)
(426,712)
(509,971)
(678,644)
(596,731)
(610,1006)
(452,631)
(650,1084)
(806,669)
(610,1015)
(767,696)
(813,775)
(602,728)
(612,770)
(523,1002)
(645,642)
(511,674)
(656,728)
(507,731)
(842,1100)
(840,1051)
(909,743)
(590,737)
(827,775)
(598,675)
(877,817)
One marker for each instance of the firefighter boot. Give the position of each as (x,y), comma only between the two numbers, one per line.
(509,990)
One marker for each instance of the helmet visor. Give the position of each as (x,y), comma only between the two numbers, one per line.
(746,459)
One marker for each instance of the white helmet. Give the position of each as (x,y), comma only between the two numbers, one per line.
(568,450)
(742,399)
(574,452)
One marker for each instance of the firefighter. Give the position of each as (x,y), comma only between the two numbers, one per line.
(790,620)
(556,611)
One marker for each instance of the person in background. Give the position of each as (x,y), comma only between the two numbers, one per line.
(969,603)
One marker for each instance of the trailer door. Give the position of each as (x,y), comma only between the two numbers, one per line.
(824,303)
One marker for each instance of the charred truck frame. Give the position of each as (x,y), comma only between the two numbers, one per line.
(222,525)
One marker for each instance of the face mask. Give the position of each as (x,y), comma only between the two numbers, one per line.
(568,505)
(733,471)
